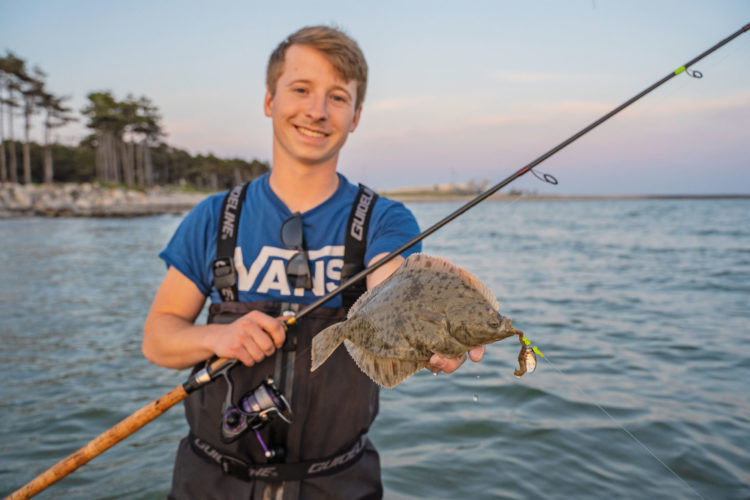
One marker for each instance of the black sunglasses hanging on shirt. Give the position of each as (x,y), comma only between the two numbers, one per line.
(298,266)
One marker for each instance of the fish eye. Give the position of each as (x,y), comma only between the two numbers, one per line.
(494,323)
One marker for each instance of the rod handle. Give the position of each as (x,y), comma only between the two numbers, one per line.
(101,443)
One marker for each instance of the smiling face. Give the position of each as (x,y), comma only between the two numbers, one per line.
(313,109)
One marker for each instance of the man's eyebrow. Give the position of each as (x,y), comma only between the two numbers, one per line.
(297,82)
(308,82)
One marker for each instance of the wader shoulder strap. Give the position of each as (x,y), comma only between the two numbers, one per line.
(356,243)
(225,277)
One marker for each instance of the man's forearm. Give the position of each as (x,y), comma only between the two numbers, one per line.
(173,342)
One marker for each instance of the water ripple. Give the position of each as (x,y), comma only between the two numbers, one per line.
(641,312)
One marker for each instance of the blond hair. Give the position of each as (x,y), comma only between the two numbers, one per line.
(338,48)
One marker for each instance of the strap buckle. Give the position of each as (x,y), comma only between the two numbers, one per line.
(233,466)
(225,275)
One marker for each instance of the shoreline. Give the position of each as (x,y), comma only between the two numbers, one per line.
(435,197)
(94,200)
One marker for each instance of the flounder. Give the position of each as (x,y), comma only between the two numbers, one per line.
(429,305)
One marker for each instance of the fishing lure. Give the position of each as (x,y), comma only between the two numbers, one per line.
(207,375)
(527,356)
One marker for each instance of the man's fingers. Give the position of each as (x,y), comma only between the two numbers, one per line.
(439,363)
(255,352)
(253,337)
(271,326)
(258,337)
(477,354)
(448,365)
(242,353)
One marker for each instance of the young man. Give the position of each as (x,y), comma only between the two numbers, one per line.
(290,243)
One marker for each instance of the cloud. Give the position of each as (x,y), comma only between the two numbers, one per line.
(502,120)
(585,107)
(425,125)
(692,105)
(441,129)
(522,77)
(533,113)
(400,103)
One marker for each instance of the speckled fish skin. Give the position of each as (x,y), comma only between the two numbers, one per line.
(427,306)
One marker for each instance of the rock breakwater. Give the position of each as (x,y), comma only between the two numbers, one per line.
(91,200)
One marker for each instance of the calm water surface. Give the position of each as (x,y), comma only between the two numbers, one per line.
(640,307)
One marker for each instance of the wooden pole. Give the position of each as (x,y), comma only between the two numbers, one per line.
(101,443)
(125,428)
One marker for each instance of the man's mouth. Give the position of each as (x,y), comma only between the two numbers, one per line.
(309,132)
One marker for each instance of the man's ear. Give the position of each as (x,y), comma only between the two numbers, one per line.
(355,121)
(267,102)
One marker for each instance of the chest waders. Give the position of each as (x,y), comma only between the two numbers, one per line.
(324,452)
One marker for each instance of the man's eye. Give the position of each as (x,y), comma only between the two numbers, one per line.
(299,90)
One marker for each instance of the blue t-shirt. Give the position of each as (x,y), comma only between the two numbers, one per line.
(260,256)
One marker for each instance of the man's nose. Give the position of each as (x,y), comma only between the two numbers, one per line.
(318,107)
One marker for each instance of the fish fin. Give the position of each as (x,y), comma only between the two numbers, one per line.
(432,317)
(324,343)
(387,372)
(480,287)
(424,261)
(358,304)
(421,261)
(364,297)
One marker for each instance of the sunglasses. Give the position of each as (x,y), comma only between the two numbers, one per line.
(298,266)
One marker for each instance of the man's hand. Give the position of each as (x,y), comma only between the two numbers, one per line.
(171,339)
(250,339)
(439,363)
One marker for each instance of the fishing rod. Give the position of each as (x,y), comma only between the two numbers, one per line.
(519,173)
(215,369)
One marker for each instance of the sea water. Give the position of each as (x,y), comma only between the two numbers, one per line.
(641,308)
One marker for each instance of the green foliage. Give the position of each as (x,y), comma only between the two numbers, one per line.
(173,166)
(137,116)
(176,166)
(72,163)
(126,137)
(104,113)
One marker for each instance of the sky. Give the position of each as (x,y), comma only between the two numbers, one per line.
(458,91)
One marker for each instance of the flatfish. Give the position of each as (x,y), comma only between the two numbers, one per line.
(429,305)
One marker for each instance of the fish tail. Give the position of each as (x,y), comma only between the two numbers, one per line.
(324,343)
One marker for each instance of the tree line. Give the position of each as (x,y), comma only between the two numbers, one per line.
(125,145)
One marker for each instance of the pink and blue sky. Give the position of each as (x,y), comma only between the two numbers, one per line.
(458,91)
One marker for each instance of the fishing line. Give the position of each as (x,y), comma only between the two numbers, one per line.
(709,69)
(508,203)
(589,398)
(718,61)
(621,426)
(228,363)
(211,372)
(519,173)
(695,74)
